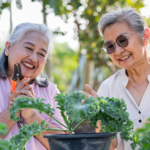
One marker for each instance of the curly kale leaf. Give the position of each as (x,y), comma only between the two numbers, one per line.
(26,102)
(7,145)
(4,144)
(76,112)
(26,132)
(115,118)
(144,134)
(3,129)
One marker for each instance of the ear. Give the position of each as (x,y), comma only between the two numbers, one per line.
(7,48)
(146,36)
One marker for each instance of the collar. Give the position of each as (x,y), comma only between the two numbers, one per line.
(125,78)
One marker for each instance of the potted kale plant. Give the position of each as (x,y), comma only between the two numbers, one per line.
(110,111)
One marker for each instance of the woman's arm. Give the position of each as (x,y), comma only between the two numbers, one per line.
(20,89)
(114,142)
(5,115)
(38,118)
(4,118)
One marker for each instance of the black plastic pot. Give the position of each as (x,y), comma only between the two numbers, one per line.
(84,141)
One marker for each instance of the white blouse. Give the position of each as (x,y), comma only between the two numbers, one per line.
(115,86)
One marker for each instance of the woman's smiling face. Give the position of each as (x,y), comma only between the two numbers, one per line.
(30,52)
(125,57)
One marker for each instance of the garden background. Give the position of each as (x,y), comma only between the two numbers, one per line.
(77,58)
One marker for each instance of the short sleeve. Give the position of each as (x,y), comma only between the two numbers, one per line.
(3,104)
(0,99)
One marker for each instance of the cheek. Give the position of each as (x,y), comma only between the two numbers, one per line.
(42,63)
(114,60)
(112,57)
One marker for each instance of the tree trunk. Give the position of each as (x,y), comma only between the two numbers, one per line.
(47,67)
(10,18)
(44,14)
(89,71)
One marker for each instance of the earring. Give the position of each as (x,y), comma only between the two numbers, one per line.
(145,42)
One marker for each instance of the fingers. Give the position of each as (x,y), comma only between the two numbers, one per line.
(26,93)
(85,93)
(21,84)
(91,91)
(20,91)
(82,101)
(28,88)
(10,98)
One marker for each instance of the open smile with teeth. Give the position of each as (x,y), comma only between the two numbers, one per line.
(123,58)
(28,65)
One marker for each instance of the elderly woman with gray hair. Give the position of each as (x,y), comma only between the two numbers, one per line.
(28,46)
(126,41)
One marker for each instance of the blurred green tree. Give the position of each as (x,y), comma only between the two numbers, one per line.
(60,8)
(7,5)
(64,62)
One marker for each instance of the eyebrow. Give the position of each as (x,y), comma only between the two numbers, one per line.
(117,37)
(34,45)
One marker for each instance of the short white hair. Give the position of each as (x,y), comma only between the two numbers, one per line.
(23,28)
(127,15)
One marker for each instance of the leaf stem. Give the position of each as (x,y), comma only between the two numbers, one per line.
(54,129)
(45,113)
(65,119)
(58,122)
(78,124)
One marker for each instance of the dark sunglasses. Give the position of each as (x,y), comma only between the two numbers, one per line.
(122,41)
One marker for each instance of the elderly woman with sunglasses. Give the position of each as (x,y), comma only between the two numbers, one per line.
(28,46)
(126,40)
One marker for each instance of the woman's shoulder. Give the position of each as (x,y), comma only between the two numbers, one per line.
(4,83)
(50,88)
(116,77)
(110,84)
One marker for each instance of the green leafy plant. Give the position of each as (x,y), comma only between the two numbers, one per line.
(4,144)
(144,134)
(111,112)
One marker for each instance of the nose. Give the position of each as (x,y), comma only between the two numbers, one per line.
(118,50)
(33,57)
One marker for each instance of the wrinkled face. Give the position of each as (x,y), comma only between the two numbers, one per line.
(30,53)
(125,57)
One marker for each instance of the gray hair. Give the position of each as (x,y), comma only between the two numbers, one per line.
(128,16)
(23,28)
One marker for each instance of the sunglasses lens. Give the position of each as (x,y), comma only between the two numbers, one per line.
(109,47)
(122,41)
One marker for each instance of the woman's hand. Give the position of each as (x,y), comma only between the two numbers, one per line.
(90,91)
(16,93)
(22,90)
(27,91)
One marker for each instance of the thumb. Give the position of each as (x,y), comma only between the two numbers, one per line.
(91,91)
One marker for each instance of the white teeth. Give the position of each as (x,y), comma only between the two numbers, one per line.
(28,65)
(125,57)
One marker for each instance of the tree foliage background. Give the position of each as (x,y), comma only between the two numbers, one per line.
(62,65)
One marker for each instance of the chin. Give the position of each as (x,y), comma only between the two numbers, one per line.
(127,67)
